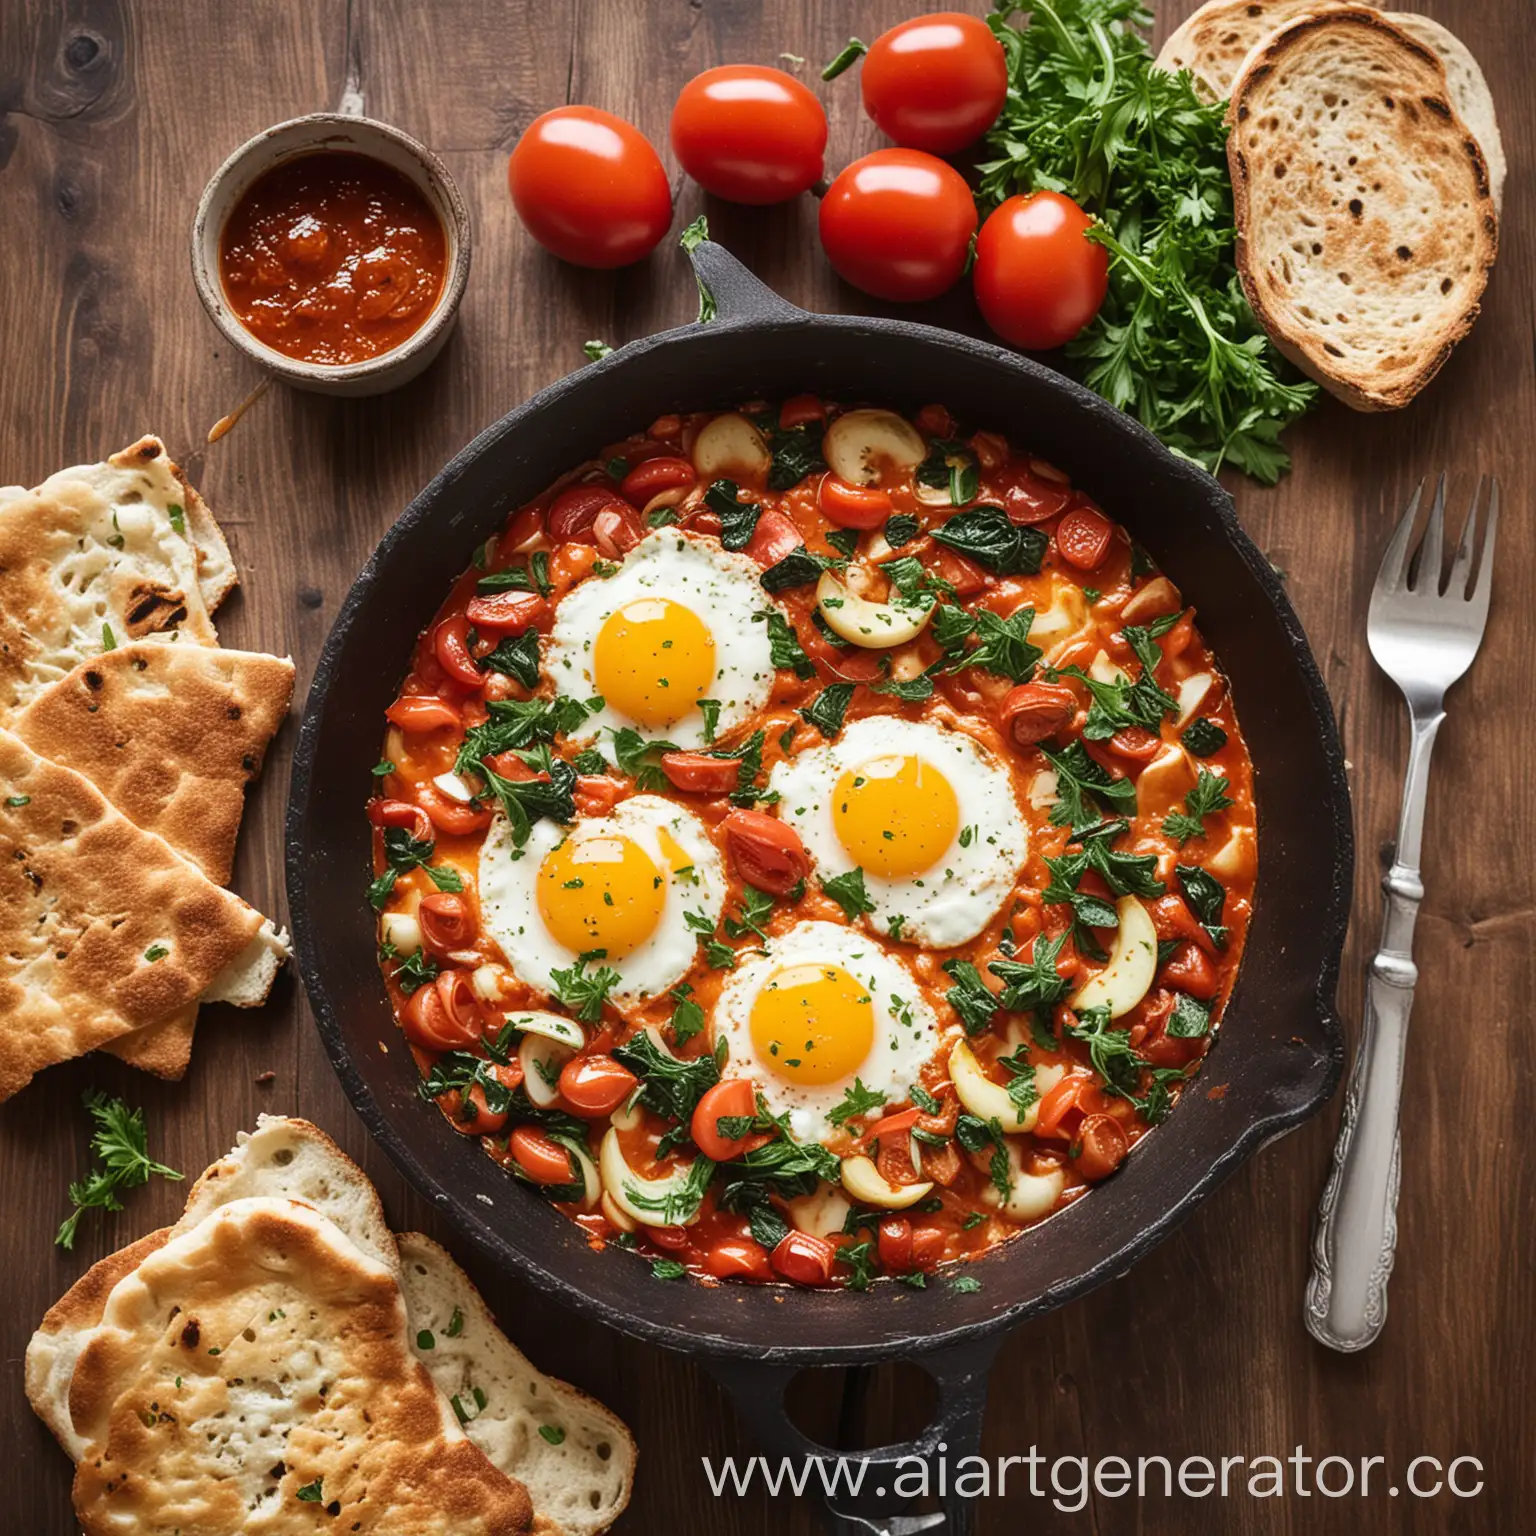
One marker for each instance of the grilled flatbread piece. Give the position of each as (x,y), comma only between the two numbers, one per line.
(103,928)
(579,1487)
(162,483)
(1365,221)
(170,734)
(582,1483)
(165,1048)
(87,562)
(253,1374)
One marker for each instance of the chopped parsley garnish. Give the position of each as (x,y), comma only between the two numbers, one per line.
(552,1433)
(584,992)
(687,1017)
(847,890)
(178,516)
(965,1284)
(738,519)
(668,1269)
(849,56)
(310,1493)
(455,1324)
(517,657)
(859,1258)
(1190,1018)
(670,1086)
(710,710)
(756,908)
(156,952)
(784,648)
(797,568)
(827,710)
(381,769)
(1002,645)
(1080,782)
(121,1145)
(1207,798)
(858,1100)
(971,998)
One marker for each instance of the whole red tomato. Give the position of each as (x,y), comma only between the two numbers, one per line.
(749,134)
(1039,278)
(898,224)
(936,82)
(590,187)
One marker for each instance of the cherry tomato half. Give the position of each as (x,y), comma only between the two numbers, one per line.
(1083,537)
(444,1015)
(1102,1145)
(804,1258)
(697,773)
(853,506)
(450,644)
(1039,278)
(543,1160)
(590,187)
(733,1097)
(1034,711)
(898,224)
(595,1085)
(936,82)
(749,134)
(446,922)
(738,1258)
(765,851)
(418,712)
(506,613)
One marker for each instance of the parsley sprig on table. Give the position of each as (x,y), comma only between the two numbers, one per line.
(120,1143)
(1175,344)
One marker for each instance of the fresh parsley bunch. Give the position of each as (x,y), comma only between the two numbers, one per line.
(121,1145)
(1175,343)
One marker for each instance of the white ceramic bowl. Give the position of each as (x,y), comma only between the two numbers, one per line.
(302,136)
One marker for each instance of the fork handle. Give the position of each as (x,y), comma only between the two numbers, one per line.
(1356,1238)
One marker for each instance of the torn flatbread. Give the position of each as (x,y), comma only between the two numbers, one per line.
(103,927)
(172,735)
(254,1374)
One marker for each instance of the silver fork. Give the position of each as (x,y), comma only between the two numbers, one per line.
(1424,639)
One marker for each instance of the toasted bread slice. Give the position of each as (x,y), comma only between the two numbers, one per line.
(1469,91)
(1213,42)
(1365,221)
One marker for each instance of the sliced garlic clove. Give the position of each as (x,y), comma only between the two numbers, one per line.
(627,1189)
(875,626)
(402,931)
(731,446)
(863,1181)
(861,446)
(1127,978)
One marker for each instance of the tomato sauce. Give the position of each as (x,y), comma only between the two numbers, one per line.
(1167,847)
(332,258)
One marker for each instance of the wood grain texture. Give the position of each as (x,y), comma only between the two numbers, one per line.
(112,116)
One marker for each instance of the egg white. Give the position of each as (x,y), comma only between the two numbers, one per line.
(951,902)
(718,586)
(906,1029)
(508,882)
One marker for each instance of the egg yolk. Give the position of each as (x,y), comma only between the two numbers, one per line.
(600,893)
(813,1024)
(896,816)
(653,660)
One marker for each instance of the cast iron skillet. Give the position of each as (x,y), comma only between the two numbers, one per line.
(1279,1050)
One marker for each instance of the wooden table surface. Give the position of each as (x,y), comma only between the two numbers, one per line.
(112,116)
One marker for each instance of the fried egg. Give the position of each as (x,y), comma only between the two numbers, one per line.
(820,1006)
(928,814)
(679,621)
(616,888)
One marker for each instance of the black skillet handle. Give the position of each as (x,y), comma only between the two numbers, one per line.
(757,1388)
(728,291)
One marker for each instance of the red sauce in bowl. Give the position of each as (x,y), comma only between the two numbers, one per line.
(333,258)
